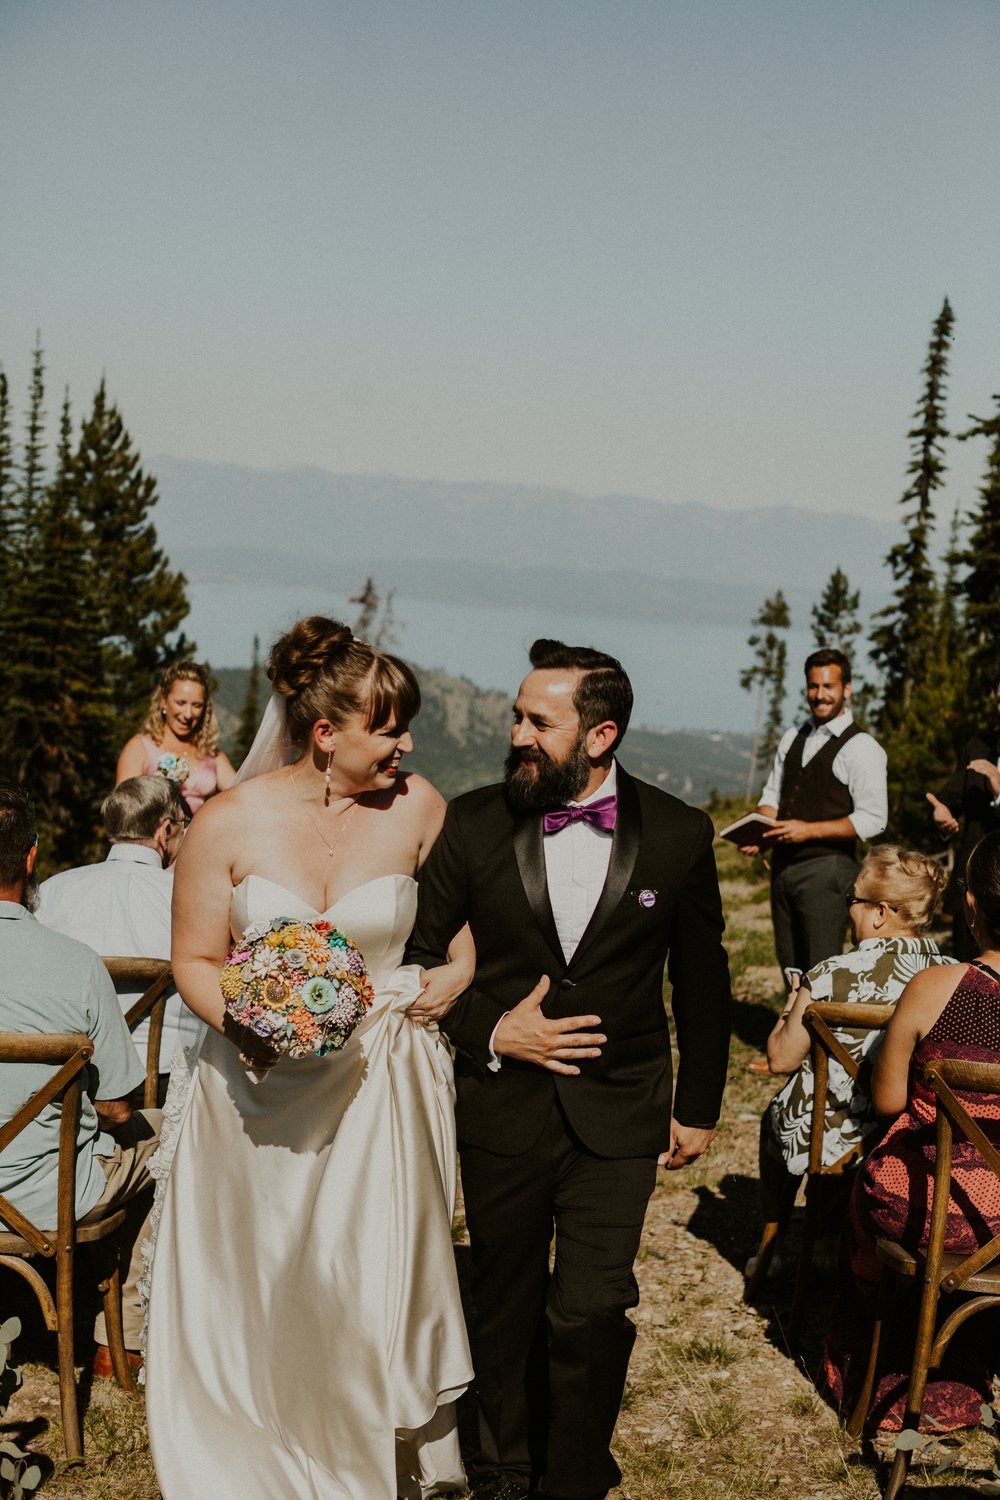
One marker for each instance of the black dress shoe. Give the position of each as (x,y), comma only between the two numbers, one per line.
(500,1487)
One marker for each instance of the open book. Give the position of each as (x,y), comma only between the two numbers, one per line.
(750,829)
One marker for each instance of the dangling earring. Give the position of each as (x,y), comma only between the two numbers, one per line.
(326,794)
(163,713)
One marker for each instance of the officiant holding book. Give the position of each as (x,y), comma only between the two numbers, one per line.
(826,790)
(577,881)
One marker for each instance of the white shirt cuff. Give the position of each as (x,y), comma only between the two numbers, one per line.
(494,1063)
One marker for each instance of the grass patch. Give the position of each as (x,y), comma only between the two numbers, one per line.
(707,1349)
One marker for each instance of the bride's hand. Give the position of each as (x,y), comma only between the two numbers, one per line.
(440,989)
(254,1053)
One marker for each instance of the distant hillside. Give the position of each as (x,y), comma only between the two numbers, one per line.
(463,733)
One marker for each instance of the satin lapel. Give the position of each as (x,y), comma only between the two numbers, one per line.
(624,849)
(531,867)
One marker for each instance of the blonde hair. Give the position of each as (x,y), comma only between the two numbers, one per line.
(206,740)
(323,671)
(912,883)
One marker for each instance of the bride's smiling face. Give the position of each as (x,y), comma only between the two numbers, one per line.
(368,759)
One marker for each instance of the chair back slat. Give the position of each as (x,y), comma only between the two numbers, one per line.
(155,974)
(952,1115)
(81,1049)
(72,1050)
(819,1017)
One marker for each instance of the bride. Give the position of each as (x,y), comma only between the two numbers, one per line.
(306,1336)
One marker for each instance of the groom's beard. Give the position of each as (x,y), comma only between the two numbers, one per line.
(534,782)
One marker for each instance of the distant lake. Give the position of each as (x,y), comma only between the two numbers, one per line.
(685,676)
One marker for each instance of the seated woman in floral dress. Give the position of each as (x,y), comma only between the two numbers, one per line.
(891,906)
(945,1012)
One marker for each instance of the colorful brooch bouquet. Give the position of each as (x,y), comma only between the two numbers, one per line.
(301,987)
(173,767)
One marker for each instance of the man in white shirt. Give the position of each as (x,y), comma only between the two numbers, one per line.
(827,789)
(121,906)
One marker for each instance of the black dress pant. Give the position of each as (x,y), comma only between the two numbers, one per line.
(551,1350)
(809,908)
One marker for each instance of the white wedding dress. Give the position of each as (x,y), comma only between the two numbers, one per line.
(306,1338)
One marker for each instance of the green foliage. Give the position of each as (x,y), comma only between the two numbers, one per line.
(767,673)
(19,1475)
(835,620)
(980,587)
(903,642)
(88,613)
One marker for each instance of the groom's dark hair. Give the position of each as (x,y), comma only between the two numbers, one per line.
(603,692)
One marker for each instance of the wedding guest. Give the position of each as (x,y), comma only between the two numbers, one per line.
(827,789)
(50,983)
(121,906)
(970,800)
(577,882)
(890,908)
(943,1012)
(180,738)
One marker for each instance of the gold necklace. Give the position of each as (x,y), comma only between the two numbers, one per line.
(345,820)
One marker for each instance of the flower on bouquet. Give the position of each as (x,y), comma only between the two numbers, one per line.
(301,987)
(173,767)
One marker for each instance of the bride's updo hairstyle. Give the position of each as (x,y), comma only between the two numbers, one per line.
(323,671)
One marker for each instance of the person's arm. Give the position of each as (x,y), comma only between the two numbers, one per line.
(701,1002)
(224,774)
(203,888)
(788,1044)
(132,761)
(526,1033)
(917,1008)
(443,984)
(770,797)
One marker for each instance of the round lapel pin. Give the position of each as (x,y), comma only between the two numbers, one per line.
(647,898)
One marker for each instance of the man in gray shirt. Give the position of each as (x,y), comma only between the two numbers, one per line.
(50,983)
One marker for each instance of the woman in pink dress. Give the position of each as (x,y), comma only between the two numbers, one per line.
(180,738)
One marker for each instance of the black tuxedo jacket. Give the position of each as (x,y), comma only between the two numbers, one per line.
(660,898)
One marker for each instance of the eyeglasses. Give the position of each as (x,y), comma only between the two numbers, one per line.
(853,899)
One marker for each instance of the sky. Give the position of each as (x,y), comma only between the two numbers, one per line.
(686,249)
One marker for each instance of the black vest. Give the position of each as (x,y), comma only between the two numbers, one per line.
(814,794)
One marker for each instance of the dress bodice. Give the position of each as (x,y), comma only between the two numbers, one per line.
(378,916)
(203,776)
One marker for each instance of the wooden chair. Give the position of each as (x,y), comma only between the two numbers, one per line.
(976,1274)
(820,1018)
(67,1053)
(154,973)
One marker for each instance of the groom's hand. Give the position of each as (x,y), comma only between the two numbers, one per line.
(527,1034)
(687,1143)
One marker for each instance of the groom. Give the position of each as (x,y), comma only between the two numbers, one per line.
(577,881)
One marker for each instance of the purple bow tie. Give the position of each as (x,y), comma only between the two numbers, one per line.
(602,814)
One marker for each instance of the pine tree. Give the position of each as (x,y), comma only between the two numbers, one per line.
(62,736)
(33,463)
(6,471)
(980,587)
(901,645)
(368,599)
(137,601)
(250,714)
(835,620)
(768,674)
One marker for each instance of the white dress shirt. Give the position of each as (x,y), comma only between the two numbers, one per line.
(121,908)
(576,867)
(860,766)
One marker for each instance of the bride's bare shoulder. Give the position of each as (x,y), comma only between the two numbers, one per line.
(416,793)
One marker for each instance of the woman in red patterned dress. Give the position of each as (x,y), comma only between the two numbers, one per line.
(951,1011)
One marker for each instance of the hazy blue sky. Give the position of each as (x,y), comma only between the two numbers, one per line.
(686,250)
